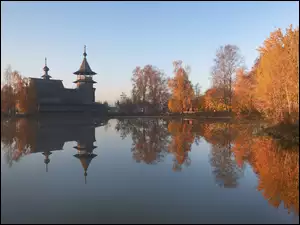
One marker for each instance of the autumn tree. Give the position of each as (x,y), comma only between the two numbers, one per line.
(243,92)
(226,62)
(19,93)
(181,89)
(25,94)
(139,83)
(149,87)
(198,101)
(277,77)
(7,99)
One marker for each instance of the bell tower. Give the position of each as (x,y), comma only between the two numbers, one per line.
(85,80)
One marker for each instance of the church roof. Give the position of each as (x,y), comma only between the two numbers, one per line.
(85,81)
(87,148)
(85,68)
(46,75)
(85,159)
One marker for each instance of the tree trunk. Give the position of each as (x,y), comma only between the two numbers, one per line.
(288,100)
(230,94)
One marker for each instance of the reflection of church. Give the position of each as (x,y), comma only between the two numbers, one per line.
(52,135)
(85,149)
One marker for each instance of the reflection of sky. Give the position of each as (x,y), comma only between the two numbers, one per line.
(120,190)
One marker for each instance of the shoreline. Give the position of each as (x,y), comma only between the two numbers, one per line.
(286,133)
(116,116)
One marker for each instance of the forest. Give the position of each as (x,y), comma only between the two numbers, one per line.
(269,89)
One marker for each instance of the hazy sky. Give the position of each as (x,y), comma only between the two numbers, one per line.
(122,35)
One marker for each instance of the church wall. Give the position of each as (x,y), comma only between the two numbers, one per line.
(71,96)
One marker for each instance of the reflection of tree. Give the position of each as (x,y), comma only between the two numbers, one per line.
(277,169)
(149,137)
(278,174)
(8,144)
(107,125)
(26,135)
(182,140)
(125,127)
(18,138)
(224,167)
(242,143)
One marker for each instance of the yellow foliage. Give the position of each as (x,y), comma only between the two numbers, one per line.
(213,100)
(277,79)
(182,139)
(182,91)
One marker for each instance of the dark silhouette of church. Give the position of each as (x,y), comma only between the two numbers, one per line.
(52,96)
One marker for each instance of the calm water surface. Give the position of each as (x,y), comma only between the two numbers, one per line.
(144,171)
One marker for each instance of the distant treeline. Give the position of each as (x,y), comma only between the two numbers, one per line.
(270,88)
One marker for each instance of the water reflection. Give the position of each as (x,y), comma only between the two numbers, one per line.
(277,169)
(224,166)
(21,137)
(232,147)
(150,138)
(182,140)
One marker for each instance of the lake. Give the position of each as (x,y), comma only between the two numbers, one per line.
(144,171)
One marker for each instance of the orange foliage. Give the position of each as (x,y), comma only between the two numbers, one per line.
(277,76)
(18,94)
(182,139)
(25,95)
(182,90)
(7,99)
(19,138)
(213,100)
(278,172)
(243,92)
(277,169)
(271,87)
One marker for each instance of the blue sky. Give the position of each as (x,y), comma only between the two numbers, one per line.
(122,35)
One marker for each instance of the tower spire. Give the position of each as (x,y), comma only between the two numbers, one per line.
(84,53)
(47,160)
(85,69)
(46,76)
